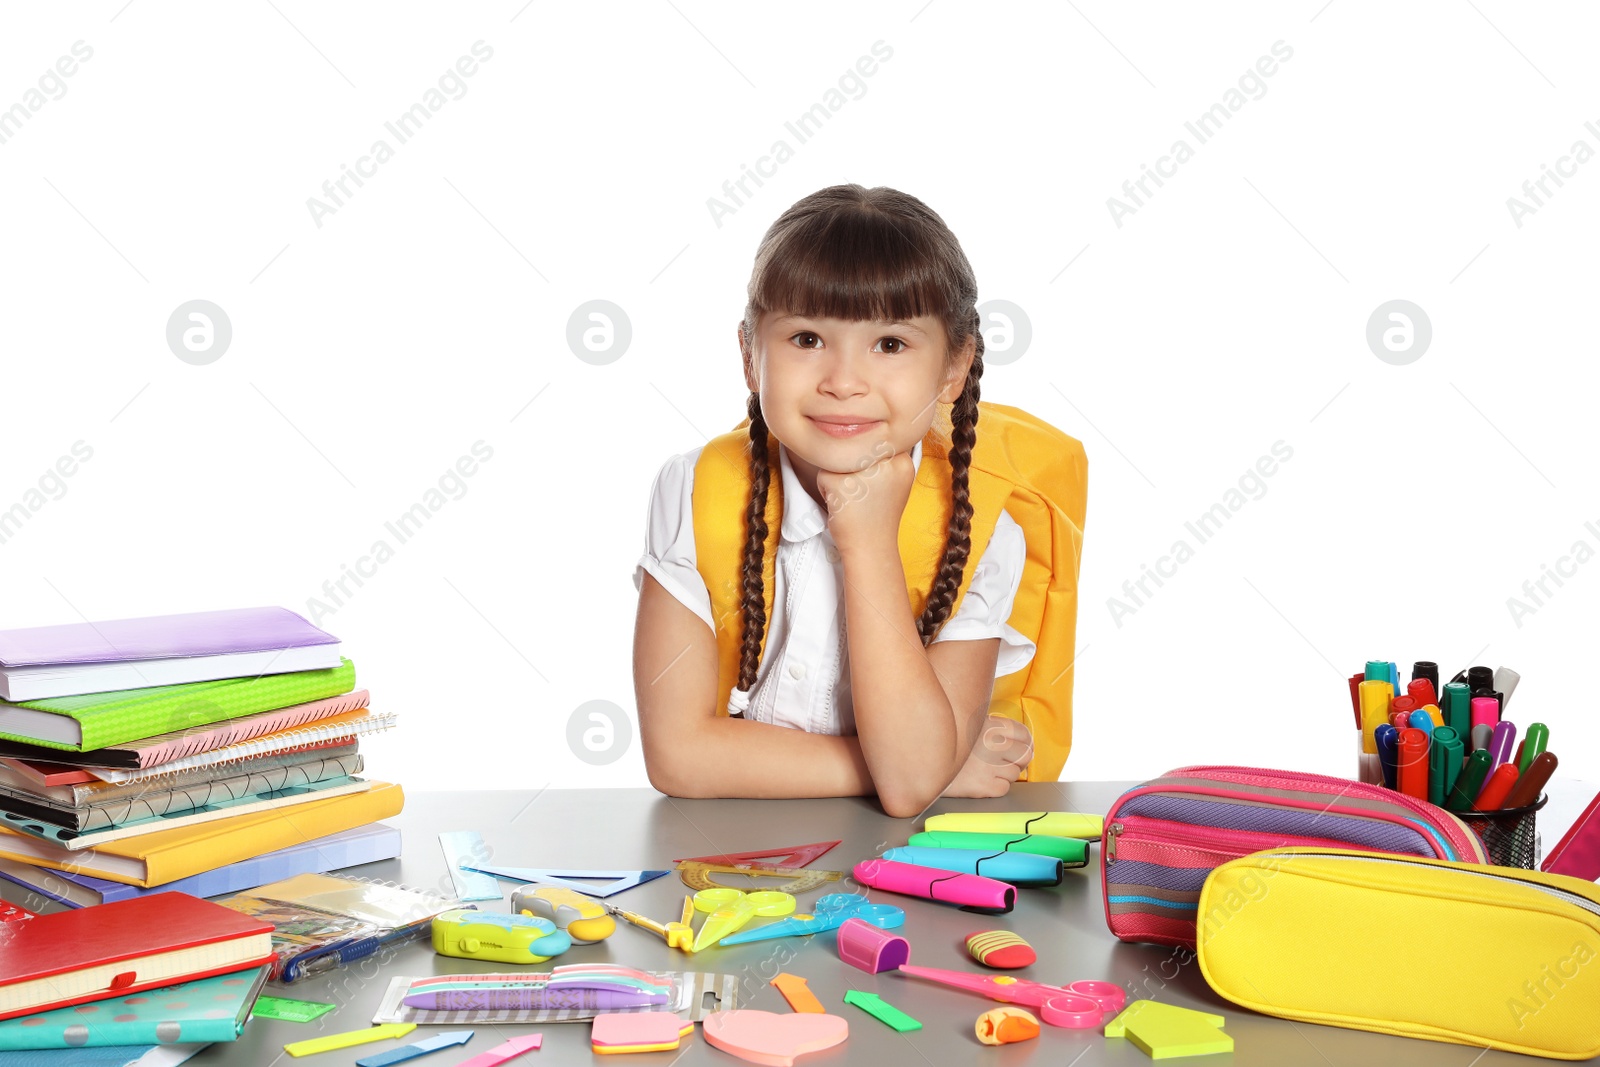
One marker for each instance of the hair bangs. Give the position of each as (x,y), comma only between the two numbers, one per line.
(860,263)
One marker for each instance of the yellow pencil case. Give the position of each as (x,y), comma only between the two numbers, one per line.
(1463,952)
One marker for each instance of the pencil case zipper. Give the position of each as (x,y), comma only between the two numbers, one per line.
(1206,844)
(1191,824)
(1461,839)
(1560,894)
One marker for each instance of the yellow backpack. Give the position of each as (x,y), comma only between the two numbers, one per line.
(1020,463)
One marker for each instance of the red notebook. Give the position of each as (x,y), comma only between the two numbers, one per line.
(111,950)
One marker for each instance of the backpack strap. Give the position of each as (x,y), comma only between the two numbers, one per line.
(1047,473)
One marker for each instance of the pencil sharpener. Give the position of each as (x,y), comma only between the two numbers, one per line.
(477,935)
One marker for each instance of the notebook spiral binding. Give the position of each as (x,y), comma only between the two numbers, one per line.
(302,738)
(181,744)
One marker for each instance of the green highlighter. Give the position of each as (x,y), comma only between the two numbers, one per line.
(1071,851)
(881,1010)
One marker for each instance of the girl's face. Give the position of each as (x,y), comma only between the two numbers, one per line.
(842,394)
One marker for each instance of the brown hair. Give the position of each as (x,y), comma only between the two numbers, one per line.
(848,252)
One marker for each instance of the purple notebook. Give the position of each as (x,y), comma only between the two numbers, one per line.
(201,633)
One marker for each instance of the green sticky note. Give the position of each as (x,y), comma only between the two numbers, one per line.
(882,1010)
(293,1011)
(1165,1030)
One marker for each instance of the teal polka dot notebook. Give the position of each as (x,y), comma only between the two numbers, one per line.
(211,1009)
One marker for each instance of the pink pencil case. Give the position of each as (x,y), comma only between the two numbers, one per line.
(1578,854)
(1164,837)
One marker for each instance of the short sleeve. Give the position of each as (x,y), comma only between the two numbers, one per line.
(990,596)
(669,537)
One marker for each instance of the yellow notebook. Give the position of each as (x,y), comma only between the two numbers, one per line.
(159,858)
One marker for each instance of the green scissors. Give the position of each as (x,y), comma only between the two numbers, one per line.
(729,909)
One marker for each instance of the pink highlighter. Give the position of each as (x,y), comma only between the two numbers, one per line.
(973,892)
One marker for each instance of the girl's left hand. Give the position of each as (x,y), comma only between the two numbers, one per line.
(866,506)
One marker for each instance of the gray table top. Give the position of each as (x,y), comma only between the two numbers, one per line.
(641,829)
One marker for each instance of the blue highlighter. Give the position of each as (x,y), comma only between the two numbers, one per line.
(1013,868)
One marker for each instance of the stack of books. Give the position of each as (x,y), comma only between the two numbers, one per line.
(209,753)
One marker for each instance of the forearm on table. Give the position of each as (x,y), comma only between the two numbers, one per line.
(910,739)
(731,757)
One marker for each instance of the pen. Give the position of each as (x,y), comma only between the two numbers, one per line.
(1505,680)
(1458,708)
(1529,785)
(1421,690)
(1375,696)
(1535,742)
(1497,788)
(1444,762)
(1485,711)
(1414,762)
(1470,781)
(1389,754)
(1501,740)
(1426,669)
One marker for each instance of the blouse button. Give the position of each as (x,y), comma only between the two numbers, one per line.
(833,554)
(797,670)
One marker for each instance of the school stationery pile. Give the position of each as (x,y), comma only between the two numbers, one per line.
(228,759)
(1451,747)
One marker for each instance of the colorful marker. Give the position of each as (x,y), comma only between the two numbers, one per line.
(1529,785)
(1497,788)
(1470,781)
(1414,763)
(1501,741)
(1536,741)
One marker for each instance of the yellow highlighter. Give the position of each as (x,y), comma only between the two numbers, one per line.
(1048,823)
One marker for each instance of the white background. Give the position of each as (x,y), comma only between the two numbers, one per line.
(429,312)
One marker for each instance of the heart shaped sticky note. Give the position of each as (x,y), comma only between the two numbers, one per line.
(772,1039)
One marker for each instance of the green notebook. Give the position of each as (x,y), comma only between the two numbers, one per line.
(101,720)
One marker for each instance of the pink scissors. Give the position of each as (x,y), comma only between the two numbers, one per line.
(1079,1005)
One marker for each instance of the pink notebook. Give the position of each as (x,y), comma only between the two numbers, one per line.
(164,748)
(1578,854)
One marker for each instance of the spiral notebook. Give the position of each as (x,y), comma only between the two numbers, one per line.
(164,748)
(73,841)
(163,798)
(340,727)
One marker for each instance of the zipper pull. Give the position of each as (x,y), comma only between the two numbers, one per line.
(1111,841)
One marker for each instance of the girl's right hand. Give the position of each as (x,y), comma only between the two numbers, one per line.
(997,760)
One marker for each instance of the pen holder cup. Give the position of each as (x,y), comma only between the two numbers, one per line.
(1510,836)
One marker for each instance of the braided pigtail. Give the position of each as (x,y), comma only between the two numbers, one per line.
(753,602)
(958,538)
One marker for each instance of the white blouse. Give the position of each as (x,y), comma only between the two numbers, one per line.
(803,680)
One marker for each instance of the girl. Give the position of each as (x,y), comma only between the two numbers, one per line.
(861,320)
